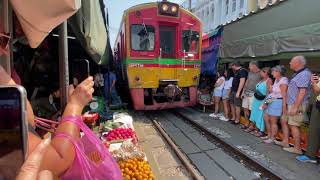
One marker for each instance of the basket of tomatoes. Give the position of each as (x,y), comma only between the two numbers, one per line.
(120,134)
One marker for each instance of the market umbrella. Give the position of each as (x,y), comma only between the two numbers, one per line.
(39,17)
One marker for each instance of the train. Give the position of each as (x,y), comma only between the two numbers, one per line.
(157,55)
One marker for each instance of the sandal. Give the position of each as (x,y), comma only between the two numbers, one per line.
(249,129)
(234,122)
(259,134)
(280,143)
(268,141)
(265,137)
(244,126)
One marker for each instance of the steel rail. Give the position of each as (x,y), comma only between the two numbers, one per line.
(229,147)
(193,172)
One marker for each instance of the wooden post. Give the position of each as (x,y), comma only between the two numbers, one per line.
(6,27)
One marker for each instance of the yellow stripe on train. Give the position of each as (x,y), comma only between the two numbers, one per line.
(149,77)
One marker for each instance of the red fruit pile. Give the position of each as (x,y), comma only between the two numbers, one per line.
(120,133)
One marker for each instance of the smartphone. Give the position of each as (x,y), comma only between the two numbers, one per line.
(80,70)
(13,129)
(315,74)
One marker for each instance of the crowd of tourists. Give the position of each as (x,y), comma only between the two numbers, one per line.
(267,97)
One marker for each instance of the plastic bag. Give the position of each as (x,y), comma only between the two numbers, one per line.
(124,118)
(92,160)
(127,150)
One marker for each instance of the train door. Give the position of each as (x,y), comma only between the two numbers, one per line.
(167,39)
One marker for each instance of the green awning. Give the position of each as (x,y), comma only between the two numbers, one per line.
(281,56)
(89,28)
(291,26)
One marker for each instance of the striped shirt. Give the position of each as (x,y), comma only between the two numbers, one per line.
(301,79)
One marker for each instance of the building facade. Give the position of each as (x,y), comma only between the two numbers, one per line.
(219,12)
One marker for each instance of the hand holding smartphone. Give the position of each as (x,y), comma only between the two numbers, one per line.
(13,130)
(80,70)
(314,78)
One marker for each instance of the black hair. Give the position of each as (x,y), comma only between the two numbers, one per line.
(229,74)
(236,63)
(267,70)
(221,73)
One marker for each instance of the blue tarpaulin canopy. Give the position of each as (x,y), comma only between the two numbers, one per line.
(210,53)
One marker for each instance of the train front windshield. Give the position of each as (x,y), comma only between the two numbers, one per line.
(142,37)
(190,41)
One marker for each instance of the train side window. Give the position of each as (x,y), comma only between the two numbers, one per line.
(190,41)
(119,52)
(142,37)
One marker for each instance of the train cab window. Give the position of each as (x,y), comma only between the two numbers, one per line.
(142,37)
(190,41)
(167,36)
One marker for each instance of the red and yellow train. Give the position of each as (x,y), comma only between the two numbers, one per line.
(158,55)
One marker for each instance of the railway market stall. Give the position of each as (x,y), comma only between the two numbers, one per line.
(120,138)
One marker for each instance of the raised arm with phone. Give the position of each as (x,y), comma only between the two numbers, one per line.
(60,153)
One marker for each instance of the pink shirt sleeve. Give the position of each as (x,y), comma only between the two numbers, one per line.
(284,80)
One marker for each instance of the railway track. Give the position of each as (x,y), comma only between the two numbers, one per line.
(192,170)
(204,154)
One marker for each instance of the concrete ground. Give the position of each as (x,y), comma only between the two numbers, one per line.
(270,156)
(211,160)
(164,163)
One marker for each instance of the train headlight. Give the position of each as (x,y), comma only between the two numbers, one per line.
(195,78)
(174,9)
(165,7)
(168,9)
(137,78)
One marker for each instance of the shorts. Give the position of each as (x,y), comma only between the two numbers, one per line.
(297,119)
(234,100)
(247,101)
(275,108)
(225,94)
(217,93)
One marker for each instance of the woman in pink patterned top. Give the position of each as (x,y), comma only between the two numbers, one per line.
(278,105)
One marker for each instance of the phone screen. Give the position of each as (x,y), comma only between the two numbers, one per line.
(80,69)
(11,128)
